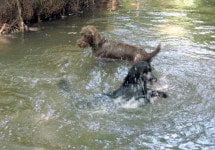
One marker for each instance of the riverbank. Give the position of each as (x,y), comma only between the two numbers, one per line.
(18,15)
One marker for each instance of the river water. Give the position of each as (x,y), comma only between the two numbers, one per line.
(51,90)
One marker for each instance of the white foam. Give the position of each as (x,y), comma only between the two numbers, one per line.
(129,104)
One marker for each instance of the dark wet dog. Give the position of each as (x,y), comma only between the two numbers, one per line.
(104,48)
(135,84)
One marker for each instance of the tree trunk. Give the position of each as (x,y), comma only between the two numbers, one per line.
(21,22)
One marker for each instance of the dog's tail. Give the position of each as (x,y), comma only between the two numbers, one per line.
(154,53)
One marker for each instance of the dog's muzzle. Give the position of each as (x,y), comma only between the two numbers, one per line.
(151,78)
(81,43)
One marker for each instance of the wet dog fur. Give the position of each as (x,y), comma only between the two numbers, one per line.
(135,84)
(104,48)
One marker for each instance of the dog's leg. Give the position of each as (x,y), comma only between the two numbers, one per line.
(146,99)
(145,90)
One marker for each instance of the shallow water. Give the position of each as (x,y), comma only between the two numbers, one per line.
(51,90)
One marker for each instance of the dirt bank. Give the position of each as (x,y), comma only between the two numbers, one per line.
(17,15)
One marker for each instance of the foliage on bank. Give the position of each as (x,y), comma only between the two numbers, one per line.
(18,14)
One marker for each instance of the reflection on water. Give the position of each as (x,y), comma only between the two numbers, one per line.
(51,92)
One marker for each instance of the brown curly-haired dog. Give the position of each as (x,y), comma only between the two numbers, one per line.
(104,48)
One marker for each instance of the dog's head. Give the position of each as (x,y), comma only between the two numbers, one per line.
(89,37)
(139,72)
(147,73)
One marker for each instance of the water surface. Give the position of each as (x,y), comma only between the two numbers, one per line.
(50,90)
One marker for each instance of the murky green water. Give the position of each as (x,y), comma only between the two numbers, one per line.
(38,112)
